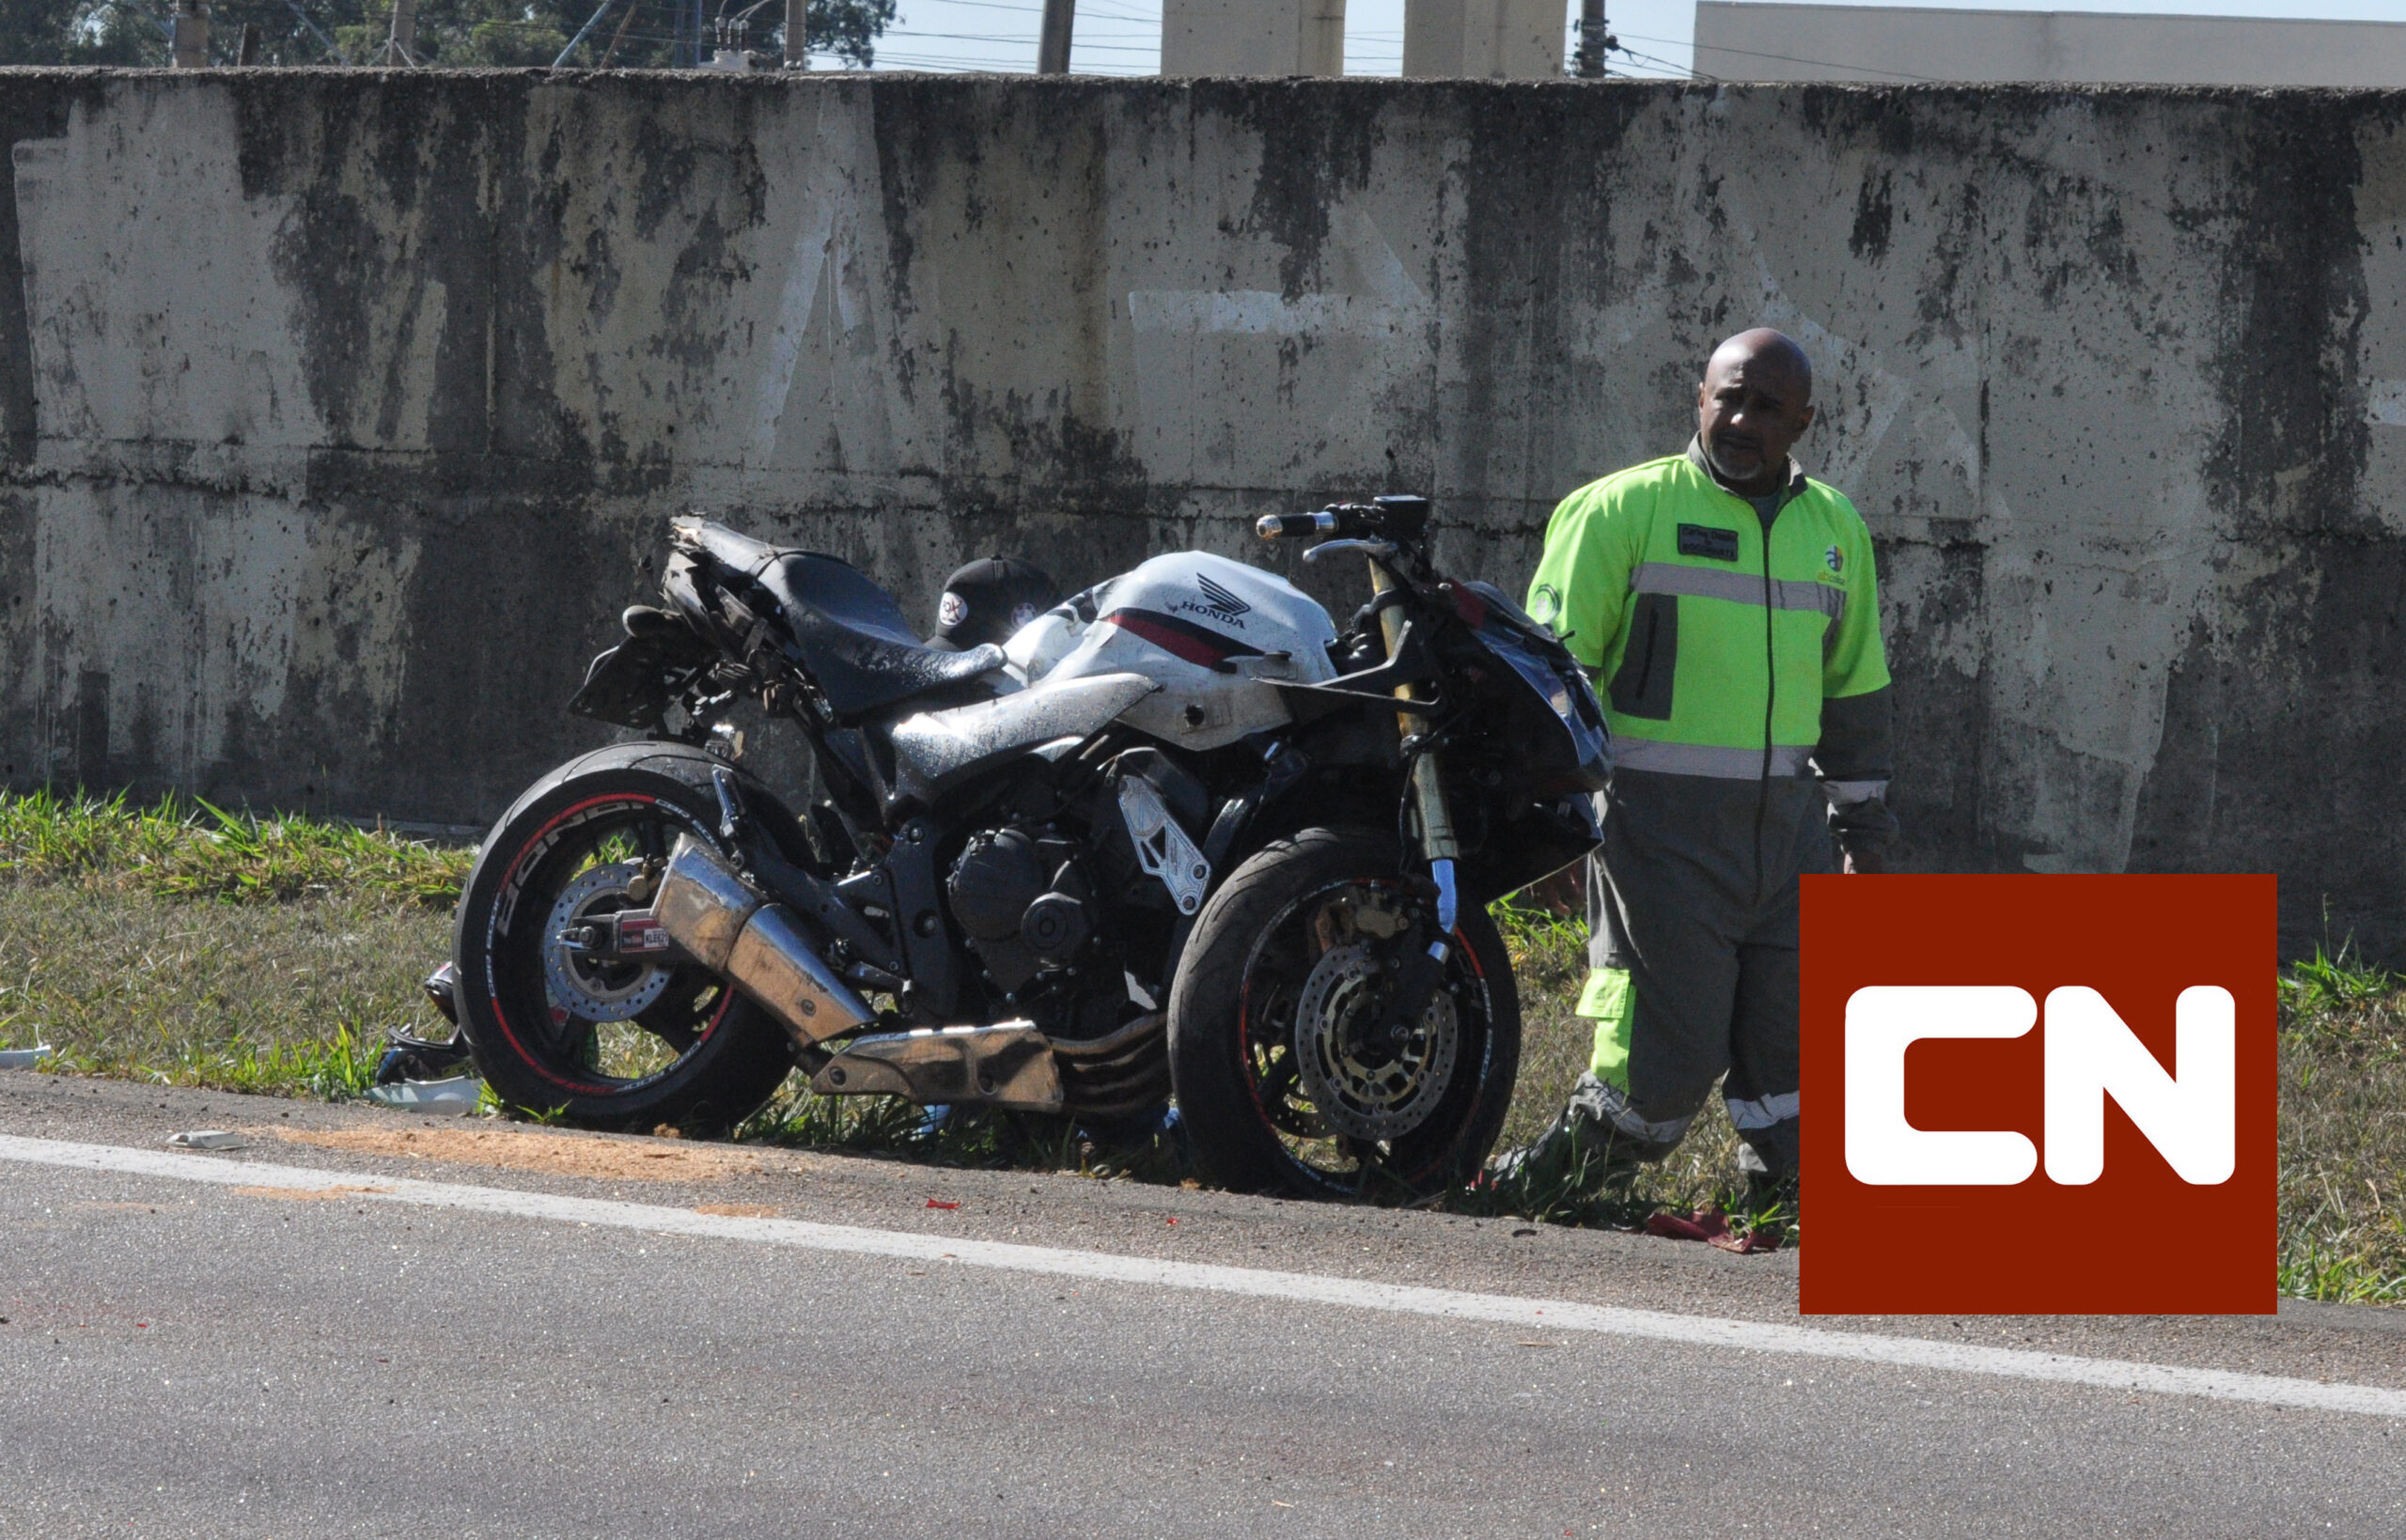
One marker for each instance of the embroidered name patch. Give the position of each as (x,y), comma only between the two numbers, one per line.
(1720,545)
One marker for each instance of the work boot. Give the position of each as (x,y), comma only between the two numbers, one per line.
(1578,1158)
(1767,1188)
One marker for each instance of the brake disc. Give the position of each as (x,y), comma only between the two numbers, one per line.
(587,987)
(1372,1091)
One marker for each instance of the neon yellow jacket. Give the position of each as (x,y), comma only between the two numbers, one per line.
(1725,650)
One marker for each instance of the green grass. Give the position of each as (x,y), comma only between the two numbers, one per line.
(185,849)
(182,945)
(2343,1132)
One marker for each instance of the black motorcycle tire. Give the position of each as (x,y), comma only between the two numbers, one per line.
(740,1055)
(1214,1069)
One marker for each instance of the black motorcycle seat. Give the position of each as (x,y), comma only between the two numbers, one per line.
(847,631)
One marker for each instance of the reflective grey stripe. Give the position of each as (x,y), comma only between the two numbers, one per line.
(1701,582)
(1736,587)
(1830,600)
(1606,1099)
(1767,1113)
(1848,793)
(1640,753)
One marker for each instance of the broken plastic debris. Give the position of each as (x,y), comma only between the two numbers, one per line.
(939,1203)
(24,1058)
(1711,1227)
(456,1097)
(206,1138)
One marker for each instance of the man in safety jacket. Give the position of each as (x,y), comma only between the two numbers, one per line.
(1728,607)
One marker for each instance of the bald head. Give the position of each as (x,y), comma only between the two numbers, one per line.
(1766,351)
(1755,402)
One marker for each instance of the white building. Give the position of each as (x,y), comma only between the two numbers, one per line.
(1484,39)
(1886,43)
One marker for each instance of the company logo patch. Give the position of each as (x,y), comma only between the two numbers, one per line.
(1220,602)
(1834,560)
(2040,1093)
(952,609)
(1545,602)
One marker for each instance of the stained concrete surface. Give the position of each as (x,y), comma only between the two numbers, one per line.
(341,410)
(180,1361)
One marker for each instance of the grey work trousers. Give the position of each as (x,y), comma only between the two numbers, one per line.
(1691,913)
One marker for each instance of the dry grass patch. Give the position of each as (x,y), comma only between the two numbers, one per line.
(594,1156)
(290,999)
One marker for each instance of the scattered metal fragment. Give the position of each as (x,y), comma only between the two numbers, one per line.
(457,1097)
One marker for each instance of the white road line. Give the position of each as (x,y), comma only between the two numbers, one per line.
(1533,1315)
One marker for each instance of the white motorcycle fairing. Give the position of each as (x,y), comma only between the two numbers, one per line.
(1180,649)
(1210,630)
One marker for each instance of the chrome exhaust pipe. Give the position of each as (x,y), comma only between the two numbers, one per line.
(759,946)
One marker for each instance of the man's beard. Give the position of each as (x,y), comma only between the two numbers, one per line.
(1722,469)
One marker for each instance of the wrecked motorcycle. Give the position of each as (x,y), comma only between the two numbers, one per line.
(1179,836)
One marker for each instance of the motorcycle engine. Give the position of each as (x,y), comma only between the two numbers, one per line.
(1022,904)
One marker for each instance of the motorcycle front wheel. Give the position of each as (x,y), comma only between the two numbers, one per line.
(1285,1079)
(619,1046)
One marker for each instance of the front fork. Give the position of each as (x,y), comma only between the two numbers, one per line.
(1436,819)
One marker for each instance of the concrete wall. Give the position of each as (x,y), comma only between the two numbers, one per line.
(1897,43)
(340,412)
(1253,36)
(1484,39)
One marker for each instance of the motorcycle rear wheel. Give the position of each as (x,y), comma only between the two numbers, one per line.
(621,1046)
(1277,1084)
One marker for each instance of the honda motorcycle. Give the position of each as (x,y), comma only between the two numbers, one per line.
(1180,837)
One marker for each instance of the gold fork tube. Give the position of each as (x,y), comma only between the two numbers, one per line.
(1429,790)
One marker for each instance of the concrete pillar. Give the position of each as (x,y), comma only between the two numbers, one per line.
(188,34)
(1485,40)
(797,34)
(1594,40)
(1253,36)
(400,47)
(1053,42)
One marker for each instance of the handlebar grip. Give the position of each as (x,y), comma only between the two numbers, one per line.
(1294,526)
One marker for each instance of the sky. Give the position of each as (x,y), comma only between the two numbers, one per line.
(1123,36)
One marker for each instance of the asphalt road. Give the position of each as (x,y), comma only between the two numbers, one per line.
(285,1357)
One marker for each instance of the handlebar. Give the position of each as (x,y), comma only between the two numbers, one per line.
(1296,526)
(1402,519)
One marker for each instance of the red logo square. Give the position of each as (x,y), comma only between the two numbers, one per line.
(2064,1095)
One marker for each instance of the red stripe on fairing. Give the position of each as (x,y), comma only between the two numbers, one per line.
(1178,644)
(492,996)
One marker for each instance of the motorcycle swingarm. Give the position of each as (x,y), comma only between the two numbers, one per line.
(631,935)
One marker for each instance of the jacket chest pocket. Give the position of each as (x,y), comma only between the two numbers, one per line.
(1641,686)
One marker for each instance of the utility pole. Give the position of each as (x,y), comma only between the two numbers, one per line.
(797,34)
(188,38)
(1595,39)
(1052,49)
(400,49)
(249,52)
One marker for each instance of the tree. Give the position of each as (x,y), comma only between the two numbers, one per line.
(849,28)
(635,34)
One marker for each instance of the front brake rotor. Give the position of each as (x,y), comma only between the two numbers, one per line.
(1371,1090)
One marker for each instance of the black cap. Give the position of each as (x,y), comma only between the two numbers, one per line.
(986,601)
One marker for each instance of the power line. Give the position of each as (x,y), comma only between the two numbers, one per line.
(1790,59)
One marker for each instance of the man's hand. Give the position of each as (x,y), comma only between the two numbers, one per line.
(1863,861)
